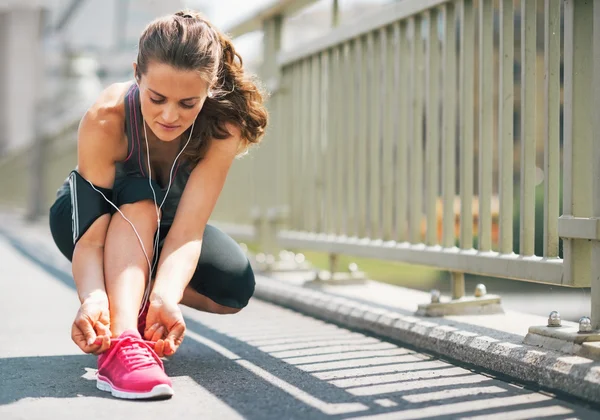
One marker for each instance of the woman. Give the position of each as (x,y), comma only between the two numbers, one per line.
(153,156)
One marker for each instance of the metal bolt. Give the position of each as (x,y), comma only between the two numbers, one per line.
(299,258)
(585,325)
(353,267)
(554,319)
(435,296)
(285,255)
(480,290)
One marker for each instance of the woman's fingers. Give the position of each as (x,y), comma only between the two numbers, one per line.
(83,335)
(102,329)
(159,332)
(159,348)
(86,329)
(82,341)
(104,344)
(174,339)
(149,333)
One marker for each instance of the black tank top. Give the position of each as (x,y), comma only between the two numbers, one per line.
(136,163)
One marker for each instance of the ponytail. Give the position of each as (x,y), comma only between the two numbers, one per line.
(236,99)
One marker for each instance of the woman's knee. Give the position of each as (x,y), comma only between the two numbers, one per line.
(143,209)
(236,287)
(143,214)
(68,229)
(230,289)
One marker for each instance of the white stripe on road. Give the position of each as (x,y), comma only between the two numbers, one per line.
(465,407)
(324,407)
(452,393)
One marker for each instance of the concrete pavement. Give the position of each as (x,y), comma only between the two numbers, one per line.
(267,362)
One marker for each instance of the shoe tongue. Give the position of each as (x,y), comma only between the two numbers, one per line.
(130,333)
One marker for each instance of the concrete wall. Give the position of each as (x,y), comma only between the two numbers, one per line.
(21,55)
(3,80)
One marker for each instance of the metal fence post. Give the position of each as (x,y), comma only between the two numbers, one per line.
(596,168)
(578,122)
(266,161)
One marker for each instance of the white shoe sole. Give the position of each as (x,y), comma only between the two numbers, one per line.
(159,391)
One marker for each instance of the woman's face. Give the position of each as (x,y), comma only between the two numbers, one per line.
(171,99)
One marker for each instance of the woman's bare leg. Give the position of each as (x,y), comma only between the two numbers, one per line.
(200,302)
(125,266)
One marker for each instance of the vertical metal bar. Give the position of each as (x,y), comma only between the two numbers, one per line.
(295,158)
(528,129)
(295,100)
(301,137)
(315,149)
(325,203)
(486,124)
(416,178)
(305,142)
(278,147)
(348,133)
(551,126)
(402,77)
(449,125)
(275,148)
(337,76)
(505,125)
(466,123)
(335,13)
(353,137)
(388,94)
(284,135)
(432,172)
(379,90)
(578,122)
(595,268)
(374,137)
(363,136)
(267,195)
(297,182)
(412,71)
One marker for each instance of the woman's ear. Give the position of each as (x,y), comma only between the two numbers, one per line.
(136,74)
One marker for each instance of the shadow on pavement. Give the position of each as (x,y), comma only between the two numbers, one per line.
(382,386)
(47,377)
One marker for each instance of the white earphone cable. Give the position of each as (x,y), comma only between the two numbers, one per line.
(158,208)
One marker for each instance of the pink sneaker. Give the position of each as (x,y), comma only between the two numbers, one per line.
(131,369)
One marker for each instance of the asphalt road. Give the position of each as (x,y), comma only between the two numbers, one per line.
(263,363)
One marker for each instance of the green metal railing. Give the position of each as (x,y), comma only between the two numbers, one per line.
(400,137)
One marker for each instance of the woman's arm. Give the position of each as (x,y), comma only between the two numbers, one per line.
(98,146)
(181,250)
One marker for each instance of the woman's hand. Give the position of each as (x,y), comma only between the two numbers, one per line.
(165,326)
(91,328)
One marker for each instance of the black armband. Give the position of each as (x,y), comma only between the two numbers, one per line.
(87,203)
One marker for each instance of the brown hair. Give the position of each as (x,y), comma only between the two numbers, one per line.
(188,41)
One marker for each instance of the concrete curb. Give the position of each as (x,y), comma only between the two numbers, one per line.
(573,375)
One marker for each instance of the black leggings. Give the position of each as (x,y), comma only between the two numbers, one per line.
(223,274)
